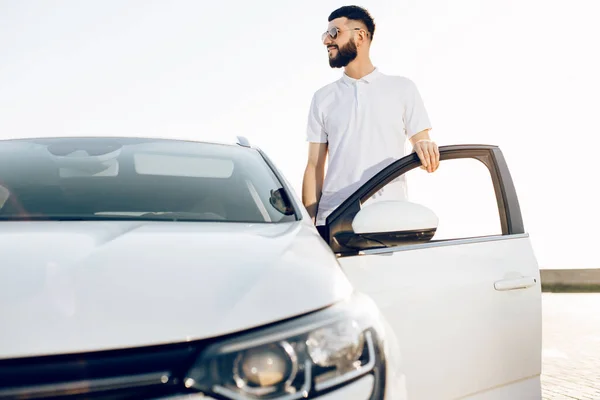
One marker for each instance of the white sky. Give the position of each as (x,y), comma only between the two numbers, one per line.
(522,74)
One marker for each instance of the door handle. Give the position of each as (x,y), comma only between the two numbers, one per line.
(513,284)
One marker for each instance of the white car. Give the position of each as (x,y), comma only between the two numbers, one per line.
(154,268)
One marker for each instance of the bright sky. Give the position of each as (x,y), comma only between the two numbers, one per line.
(522,74)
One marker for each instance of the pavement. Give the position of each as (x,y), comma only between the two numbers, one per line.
(571,346)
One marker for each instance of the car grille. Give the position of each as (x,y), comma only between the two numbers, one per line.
(124,374)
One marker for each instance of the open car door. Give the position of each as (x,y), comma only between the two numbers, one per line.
(465,307)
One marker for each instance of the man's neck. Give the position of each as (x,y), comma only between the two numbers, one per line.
(358,69)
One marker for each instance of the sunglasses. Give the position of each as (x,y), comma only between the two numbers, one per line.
(334,32)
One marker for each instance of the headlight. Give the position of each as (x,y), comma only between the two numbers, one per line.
(306,357)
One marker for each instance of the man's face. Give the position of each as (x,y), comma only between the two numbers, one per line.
(341,48)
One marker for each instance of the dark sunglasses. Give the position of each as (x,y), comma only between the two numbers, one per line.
(334,32)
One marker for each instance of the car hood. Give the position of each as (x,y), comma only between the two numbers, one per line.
(69,287)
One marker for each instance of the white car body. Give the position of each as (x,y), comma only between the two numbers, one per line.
(459,319)
(72,290)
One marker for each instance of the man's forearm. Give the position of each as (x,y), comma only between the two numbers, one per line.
(423,135)
(311,189)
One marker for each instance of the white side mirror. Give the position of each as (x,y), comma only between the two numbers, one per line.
(392,223)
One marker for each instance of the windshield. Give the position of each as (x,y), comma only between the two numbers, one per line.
(110,178)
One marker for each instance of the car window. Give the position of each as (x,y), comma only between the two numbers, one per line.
(100,178)
(460,193)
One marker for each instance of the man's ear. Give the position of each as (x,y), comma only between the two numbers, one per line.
(363,36)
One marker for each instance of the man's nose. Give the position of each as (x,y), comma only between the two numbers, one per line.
(327,40)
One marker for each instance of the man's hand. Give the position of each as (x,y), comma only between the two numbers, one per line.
(427,151)
(428,154)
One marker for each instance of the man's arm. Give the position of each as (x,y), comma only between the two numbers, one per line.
(418,127)
(427,150)
(314,174)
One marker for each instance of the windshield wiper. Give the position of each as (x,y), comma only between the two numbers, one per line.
(66,217)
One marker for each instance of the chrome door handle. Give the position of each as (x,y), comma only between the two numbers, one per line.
(513,284)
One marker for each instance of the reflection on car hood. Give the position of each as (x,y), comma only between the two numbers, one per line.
(81,286)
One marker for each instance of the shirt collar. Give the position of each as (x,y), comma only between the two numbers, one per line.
(367,78)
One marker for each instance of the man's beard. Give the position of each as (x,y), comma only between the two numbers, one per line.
(344,55)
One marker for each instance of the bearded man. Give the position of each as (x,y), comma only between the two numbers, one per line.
(361,121)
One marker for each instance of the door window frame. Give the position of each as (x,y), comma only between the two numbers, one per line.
(339,222)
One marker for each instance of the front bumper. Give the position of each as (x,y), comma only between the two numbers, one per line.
(184,370)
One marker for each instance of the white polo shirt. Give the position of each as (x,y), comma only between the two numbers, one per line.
(366,123)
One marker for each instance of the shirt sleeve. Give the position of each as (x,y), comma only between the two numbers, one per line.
(415,115)
(315,130)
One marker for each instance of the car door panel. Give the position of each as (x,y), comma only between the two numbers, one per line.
(457,334)
(466,312)
(527,389)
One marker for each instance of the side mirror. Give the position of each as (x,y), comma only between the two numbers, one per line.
(281,202)
(392,223)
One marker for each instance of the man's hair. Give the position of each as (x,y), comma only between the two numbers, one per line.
(355,13)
